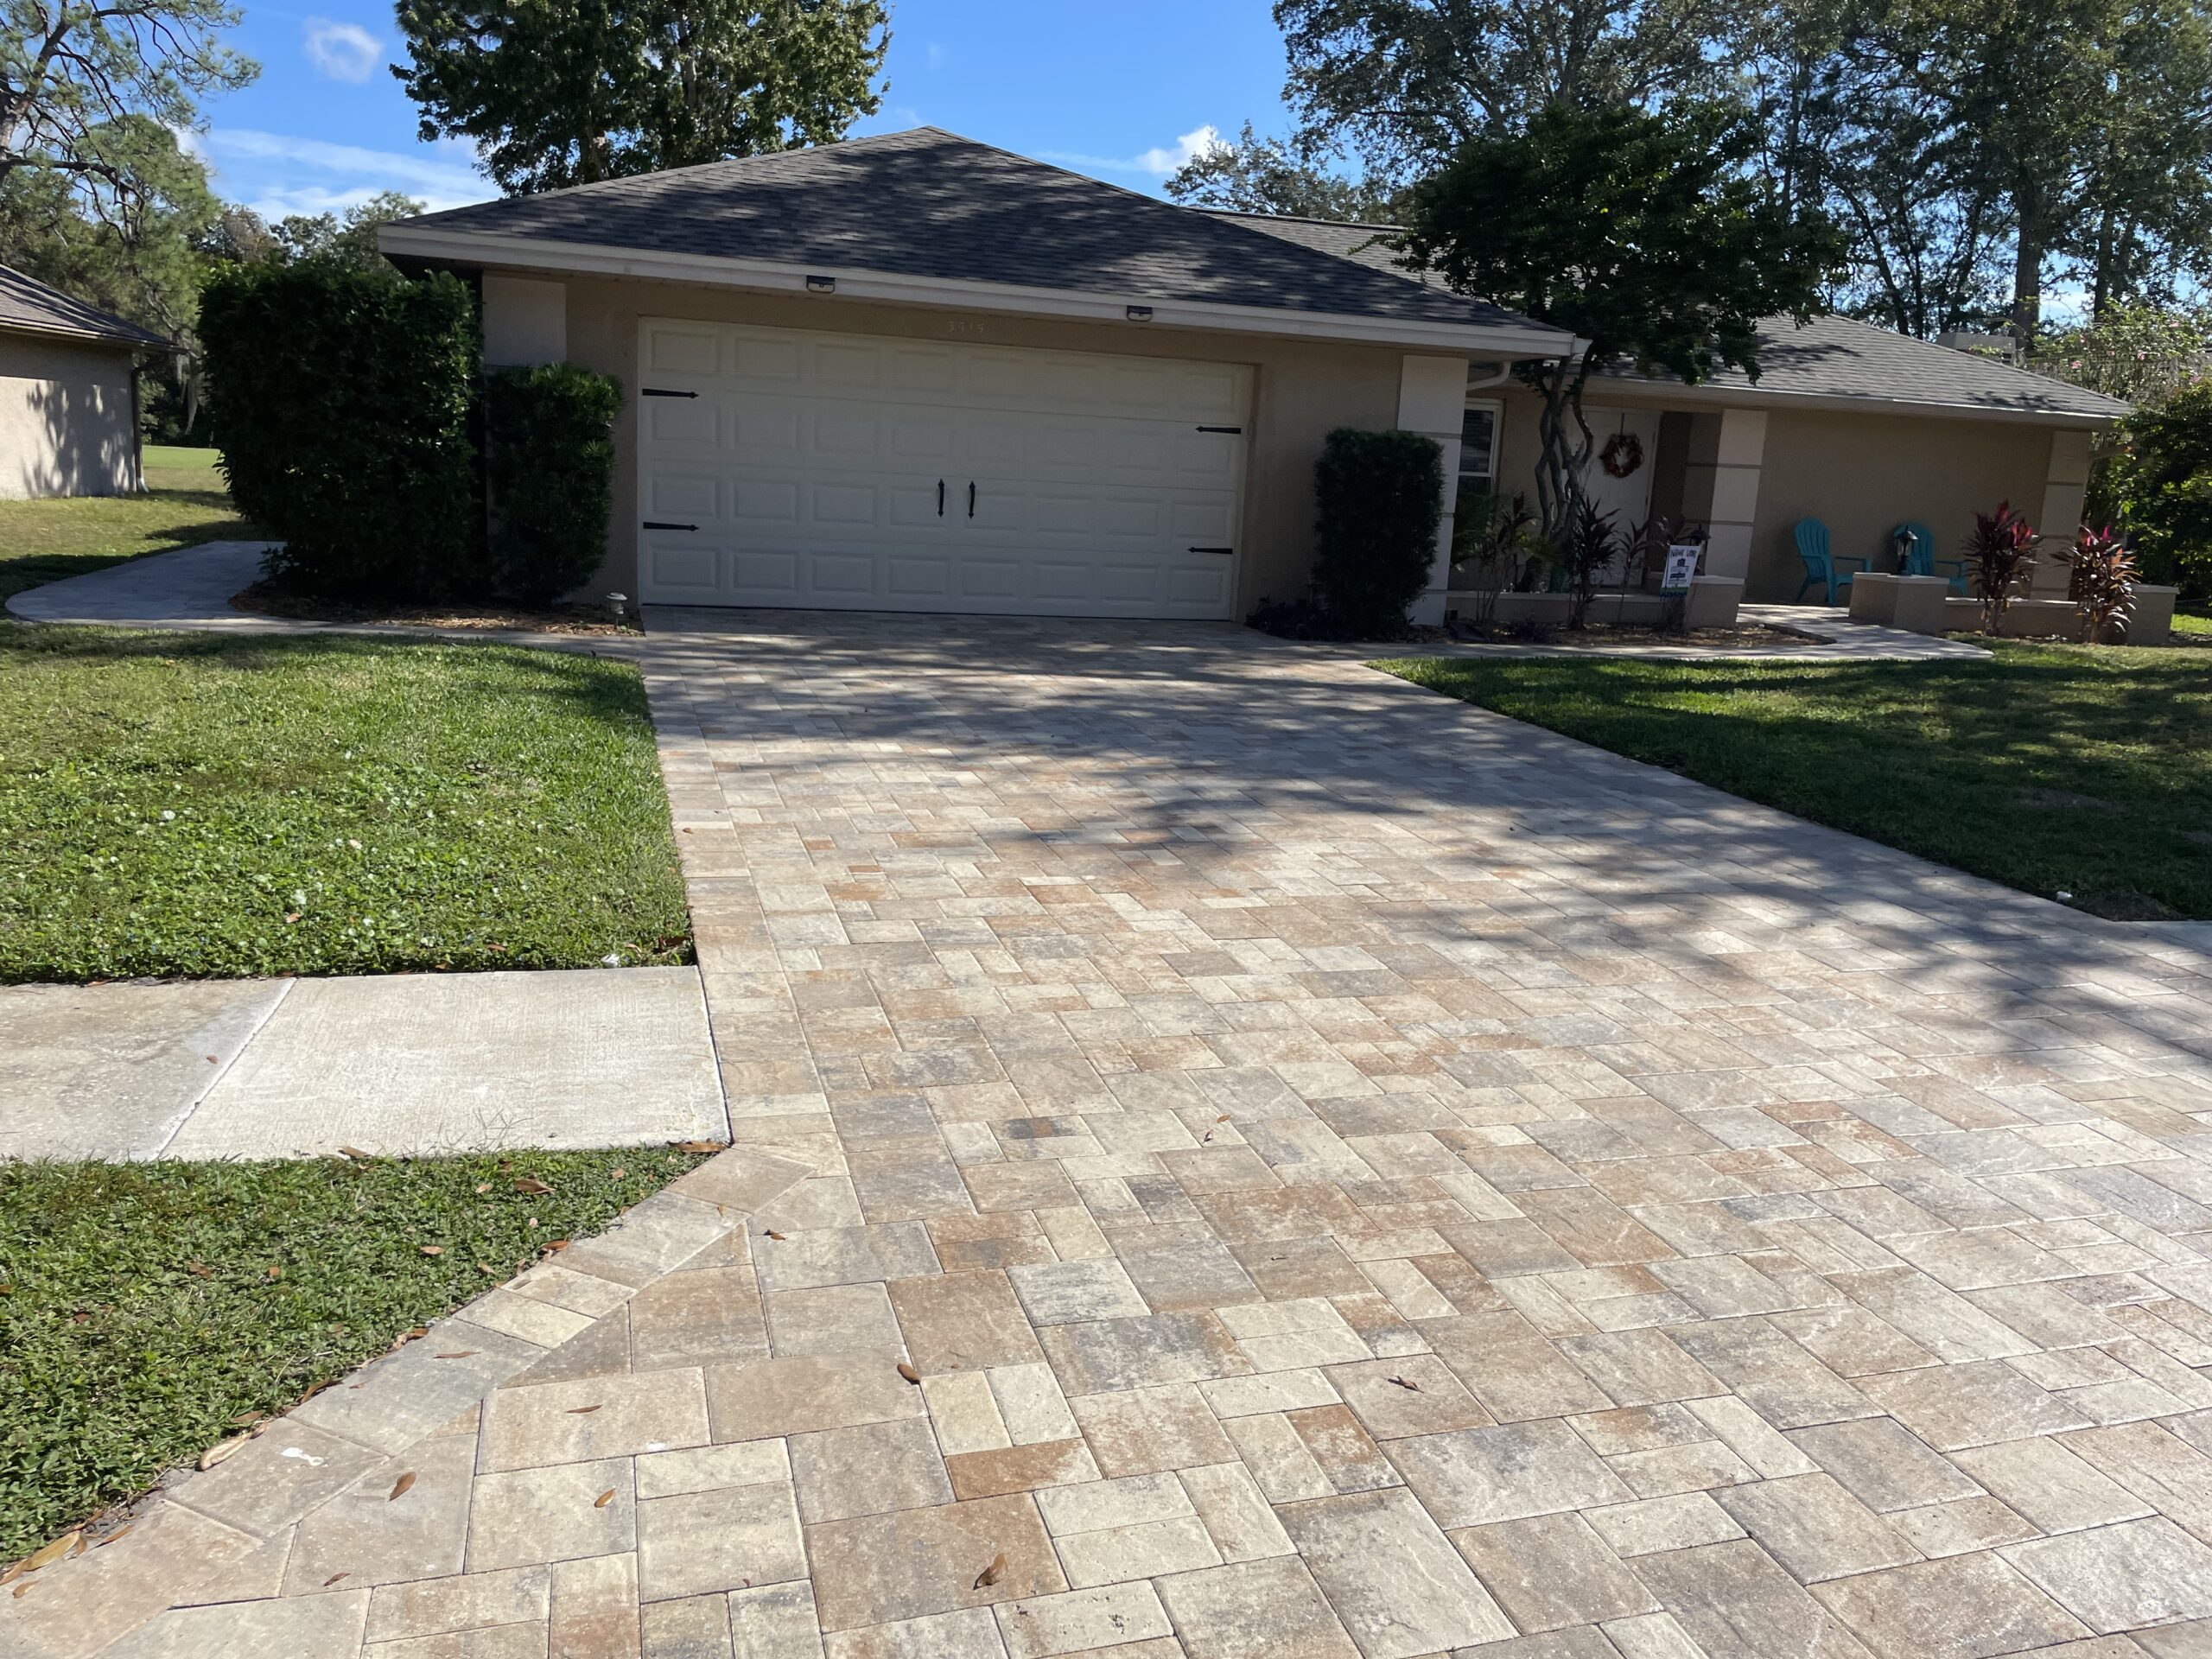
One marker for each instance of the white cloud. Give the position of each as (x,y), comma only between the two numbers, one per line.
(275,173)
(1157,162)
(342,51)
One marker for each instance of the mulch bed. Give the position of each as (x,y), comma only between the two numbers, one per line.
(264,599)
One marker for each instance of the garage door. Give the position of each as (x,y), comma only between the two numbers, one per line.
(854,471)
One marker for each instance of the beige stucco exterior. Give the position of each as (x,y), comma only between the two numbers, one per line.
(1749,472)
(68,419)
(1302,390)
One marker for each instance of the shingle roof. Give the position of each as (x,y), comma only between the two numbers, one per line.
(929,203)
(1829,357)
(29,306)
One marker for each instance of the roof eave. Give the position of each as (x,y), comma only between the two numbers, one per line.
(86,337)
(486,248)
(1673,392)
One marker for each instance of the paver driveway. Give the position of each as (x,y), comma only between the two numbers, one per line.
(1352,1175)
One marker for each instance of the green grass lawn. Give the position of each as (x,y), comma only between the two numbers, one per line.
(2050,768)
(185,503)
(149,1311)
(205,805)
(2190,622)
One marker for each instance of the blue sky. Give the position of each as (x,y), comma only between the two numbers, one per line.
(1116,88)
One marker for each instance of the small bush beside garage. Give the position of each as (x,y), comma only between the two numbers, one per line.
(1381,502)
(357,427)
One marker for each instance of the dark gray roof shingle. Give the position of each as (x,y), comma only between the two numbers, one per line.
(1829,357)
(29,306)
(929,203)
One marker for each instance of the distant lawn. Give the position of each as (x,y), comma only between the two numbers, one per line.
(2190,622)
(2051,768)
(185,503)
(153,1310)
(205,805)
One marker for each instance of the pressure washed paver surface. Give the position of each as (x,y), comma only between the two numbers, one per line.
(1352,1176)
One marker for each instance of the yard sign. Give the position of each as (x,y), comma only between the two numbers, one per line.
(1681,565)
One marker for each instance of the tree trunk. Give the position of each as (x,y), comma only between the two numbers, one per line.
(2027,270)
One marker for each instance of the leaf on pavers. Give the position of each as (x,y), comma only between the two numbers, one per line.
(1224,1118)
(401,1487)
(770,1232)
(335,1577)
(1407,1383)
(531,1185)
(22,1590)
(47,1554)
(698,1146)
(991,1575)
(458,1353)
(81,1548)
(603,1499)
(432,1250)
(116,1533)
(582,1411)
(247,1419)
(214,1454)
(1205,1138)
(909,1373)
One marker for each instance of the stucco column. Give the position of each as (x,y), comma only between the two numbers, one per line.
(526,321)
(1432,401)
(2065,485)
(1721,484)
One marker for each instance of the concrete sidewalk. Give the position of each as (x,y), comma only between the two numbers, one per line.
(422,1063)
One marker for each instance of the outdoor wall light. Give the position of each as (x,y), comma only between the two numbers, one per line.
(822,284)
(1140,314)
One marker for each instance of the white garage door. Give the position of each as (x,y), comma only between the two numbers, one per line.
(854,471)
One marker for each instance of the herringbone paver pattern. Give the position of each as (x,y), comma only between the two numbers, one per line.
(1348,1175)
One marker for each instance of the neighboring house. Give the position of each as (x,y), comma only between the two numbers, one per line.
(69,394)
(915,373)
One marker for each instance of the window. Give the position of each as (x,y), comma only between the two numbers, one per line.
(1478,449)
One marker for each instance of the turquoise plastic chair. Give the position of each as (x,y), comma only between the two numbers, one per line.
(1921,560)
(1821,569)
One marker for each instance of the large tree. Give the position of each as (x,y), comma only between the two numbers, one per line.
(1649,237)
(1401,84)
(1262,175)
(557,93)
(93,91)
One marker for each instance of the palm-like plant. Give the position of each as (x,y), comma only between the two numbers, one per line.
(1589,548)
(2103,584)
(1998,553)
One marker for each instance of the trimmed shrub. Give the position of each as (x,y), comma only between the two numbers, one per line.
(548,476)
(2161,481)
(1381,496)
(341,401)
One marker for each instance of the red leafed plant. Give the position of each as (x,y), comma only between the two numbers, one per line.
(2103,583)
(1998,553)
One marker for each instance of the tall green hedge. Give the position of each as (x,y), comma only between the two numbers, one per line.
(341,401)
(1381,496)
(548,471)
(2161,480)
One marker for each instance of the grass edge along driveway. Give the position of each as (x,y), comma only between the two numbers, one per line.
(216,806)
(2050,768)
(184,504)
(150,1311)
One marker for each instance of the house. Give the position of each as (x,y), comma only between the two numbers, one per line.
(915,373)
(69,394)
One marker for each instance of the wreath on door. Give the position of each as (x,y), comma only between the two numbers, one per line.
(1623,454)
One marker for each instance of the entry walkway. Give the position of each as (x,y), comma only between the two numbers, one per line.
(1238,1156)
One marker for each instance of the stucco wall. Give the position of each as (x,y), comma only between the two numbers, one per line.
(68,424)
(1864,474)
(1301,391)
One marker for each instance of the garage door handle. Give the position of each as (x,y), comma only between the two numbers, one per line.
(657,391)
(1213,549)
(663,524)
(1233,431)
(940,498)
(971,499)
